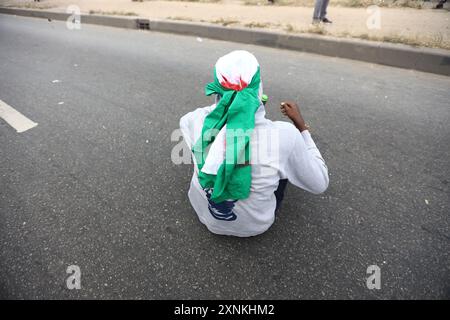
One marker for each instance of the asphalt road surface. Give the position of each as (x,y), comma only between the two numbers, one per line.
(93,183)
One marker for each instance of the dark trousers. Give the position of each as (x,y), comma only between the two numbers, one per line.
(279,193)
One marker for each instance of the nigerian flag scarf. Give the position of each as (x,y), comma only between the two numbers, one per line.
(237,83)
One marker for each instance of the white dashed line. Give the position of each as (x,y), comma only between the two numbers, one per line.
(15,119)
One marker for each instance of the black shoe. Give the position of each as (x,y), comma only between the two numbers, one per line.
(440,6)
(325,20)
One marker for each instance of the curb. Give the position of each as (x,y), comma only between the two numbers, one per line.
(395,55)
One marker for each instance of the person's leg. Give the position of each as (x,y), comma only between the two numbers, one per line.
(323,9)
(440,5)
(317,11)
(279,193)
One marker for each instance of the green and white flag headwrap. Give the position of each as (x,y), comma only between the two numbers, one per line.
(227,129)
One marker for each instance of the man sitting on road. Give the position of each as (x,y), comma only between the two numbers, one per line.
(242,160)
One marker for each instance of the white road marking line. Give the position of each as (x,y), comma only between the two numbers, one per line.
(15,119)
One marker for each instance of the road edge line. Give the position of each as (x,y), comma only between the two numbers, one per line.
(15,119)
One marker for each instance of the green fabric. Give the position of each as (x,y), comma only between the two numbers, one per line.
(237,110)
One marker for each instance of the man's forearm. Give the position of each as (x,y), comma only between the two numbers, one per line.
(300,124)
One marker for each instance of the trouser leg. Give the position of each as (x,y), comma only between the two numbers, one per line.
(317,9)
(323,9)
(279,193)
